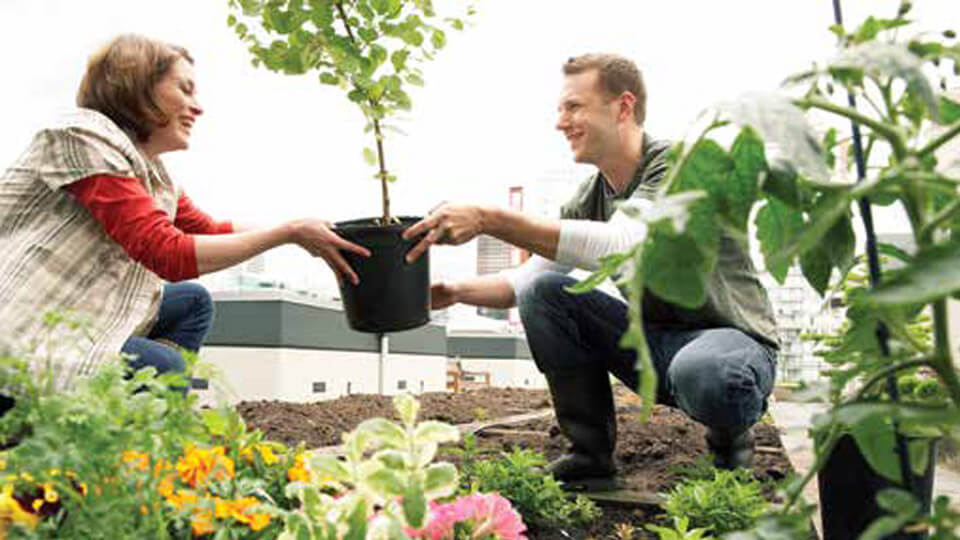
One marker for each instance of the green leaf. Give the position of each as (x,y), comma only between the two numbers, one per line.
(932,275)
(875,439)
(331,466)
(231,19)
(778,226)
(438,39)
(749,163)
(441,480)
(383,431)
(829,208)
(609,266)
(412,37)
(369,156)
(432,431)
(329,78)
(779,122)
(386,482)
(393,459)
(407,407)
(676,270)
(919,451)
(904,507)
(357,521)
(816,268)
(949,111)
(882,60)
(399,59)
(414,503)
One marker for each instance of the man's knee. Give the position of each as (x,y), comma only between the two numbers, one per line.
(725,387)
(545,289)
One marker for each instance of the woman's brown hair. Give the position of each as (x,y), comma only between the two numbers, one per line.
(120,78)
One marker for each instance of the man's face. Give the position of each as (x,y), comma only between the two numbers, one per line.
(587,117)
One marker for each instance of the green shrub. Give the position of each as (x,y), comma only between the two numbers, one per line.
(516,476)
(679,531)
(731,501)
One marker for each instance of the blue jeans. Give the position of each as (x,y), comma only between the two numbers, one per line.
(186,313)
(720,377)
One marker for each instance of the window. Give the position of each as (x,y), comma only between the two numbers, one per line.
(401,385)
(319,387)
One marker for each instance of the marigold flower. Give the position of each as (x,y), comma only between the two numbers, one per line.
(182,498)
(300,472)
(198,464)
(265,451)
(138,460)
(202,522)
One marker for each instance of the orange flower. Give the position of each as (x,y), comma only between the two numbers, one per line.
(138,460)
(165,488)
(202,522)
(300,472)
(182,498)
(198,464)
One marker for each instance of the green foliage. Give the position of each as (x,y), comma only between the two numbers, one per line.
(370,49)
(730,501)
(537,496)
(679,530)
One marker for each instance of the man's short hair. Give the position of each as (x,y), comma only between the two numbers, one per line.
(616,75)
(120,79)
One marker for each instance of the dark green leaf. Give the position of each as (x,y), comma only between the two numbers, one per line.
(932,275)
(329,78)
(901,504)
(876,440)
(399,59)
(780,123)
(676,270)
(749,162)
(610,266)
(816,268)
(778,226)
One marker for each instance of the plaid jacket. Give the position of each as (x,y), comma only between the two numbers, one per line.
(55,259)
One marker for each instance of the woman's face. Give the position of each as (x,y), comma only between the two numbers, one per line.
(176,97)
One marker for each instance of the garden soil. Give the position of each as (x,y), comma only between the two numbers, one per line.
(648,454)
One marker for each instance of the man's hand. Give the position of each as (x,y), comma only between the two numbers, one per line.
(447,224)
(442,295)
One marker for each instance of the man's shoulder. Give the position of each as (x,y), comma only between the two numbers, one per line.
(575,207)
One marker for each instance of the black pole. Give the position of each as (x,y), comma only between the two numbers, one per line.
(873,262)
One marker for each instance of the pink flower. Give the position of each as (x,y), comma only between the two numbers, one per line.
(489,513)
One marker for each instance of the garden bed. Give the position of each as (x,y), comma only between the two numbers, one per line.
(648,455)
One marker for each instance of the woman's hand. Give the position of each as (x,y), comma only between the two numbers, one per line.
(317,237)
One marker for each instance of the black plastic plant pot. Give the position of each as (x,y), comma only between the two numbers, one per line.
(393,295)
(848,492)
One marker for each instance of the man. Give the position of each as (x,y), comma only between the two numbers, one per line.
(716,363)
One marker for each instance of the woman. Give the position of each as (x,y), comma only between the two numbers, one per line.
(91,225)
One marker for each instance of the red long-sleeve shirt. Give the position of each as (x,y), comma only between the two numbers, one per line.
(129,216)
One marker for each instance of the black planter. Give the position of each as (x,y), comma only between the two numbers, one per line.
(848,492)
(393,295)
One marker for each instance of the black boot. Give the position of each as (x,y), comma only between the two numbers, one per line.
(731,450)
(583,403)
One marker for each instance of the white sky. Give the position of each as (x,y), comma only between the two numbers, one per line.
(271,147)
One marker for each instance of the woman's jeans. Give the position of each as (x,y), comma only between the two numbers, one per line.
(720,377)
(186,313)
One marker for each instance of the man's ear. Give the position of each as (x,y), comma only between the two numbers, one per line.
(627,101)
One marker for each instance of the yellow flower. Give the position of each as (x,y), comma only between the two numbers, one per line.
(266,454)
(182,498)
(138,460)
(3,462)
(300,472)
(49,494)
(259,521)
(165,489)
(11,513)
(198,463)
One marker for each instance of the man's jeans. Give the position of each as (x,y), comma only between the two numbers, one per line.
(720,377)
(186,313)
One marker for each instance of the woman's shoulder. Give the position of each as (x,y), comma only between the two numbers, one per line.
(90,122)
